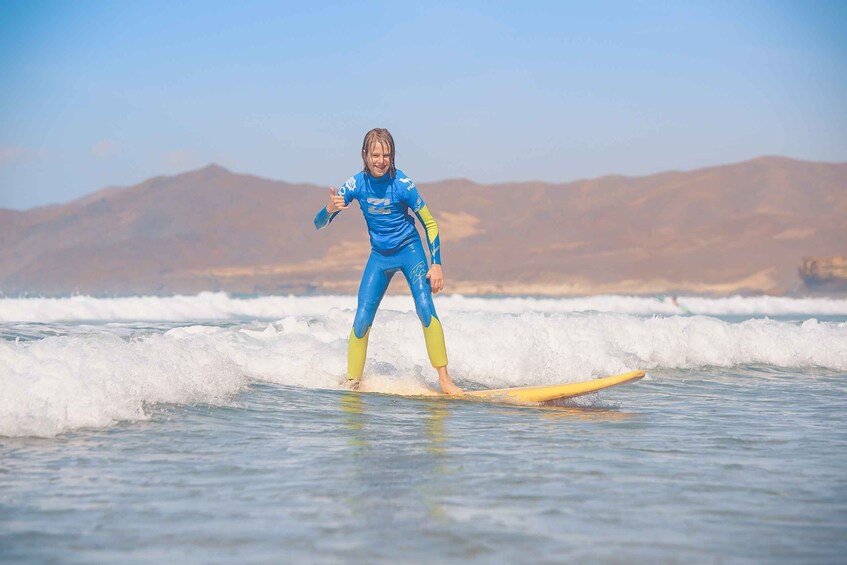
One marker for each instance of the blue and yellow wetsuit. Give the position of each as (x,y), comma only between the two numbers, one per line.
(395,246)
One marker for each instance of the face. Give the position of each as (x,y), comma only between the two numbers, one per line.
(378,159)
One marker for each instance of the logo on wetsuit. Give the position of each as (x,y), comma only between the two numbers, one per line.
(349,185)
(379,205)
(418,273)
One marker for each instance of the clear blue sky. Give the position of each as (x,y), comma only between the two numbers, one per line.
(96,94)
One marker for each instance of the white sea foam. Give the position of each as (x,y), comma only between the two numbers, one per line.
(61,383)
(99,376)
(220,306)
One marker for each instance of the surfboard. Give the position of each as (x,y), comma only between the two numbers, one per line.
(547,393)
(529,395)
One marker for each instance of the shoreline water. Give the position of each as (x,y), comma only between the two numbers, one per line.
(82,361)
(714,467)
(212,427)
(220,305)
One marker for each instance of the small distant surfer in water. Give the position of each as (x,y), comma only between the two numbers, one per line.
(386,195)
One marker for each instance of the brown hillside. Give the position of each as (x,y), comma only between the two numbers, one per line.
(741,227)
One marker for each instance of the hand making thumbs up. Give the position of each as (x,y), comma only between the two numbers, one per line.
(336,201)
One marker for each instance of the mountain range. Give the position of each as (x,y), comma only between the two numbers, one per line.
(744,227)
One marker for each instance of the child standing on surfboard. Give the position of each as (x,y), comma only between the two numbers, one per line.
(386,195)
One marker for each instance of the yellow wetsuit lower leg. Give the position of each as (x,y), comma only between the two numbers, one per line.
(357,350)
(434,336)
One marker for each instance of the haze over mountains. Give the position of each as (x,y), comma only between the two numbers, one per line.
(737,228)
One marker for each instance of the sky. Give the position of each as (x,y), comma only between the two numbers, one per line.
(99,94)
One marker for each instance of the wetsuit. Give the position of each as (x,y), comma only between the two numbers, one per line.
(395,246)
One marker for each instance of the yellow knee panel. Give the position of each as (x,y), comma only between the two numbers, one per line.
(357,350)
(434,336)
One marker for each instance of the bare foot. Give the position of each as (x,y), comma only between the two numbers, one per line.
(446,382)
(354,384)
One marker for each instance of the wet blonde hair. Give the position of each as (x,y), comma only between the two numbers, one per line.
(383,137)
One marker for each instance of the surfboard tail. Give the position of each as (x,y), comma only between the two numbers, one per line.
(537,394)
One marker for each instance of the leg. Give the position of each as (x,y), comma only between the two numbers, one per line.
(414,267)
(371,290)
(446,383)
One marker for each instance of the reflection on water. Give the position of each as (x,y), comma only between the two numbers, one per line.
(583,413)
(351,406)
(408,454)
(436,413)
(433,415)
(717,469)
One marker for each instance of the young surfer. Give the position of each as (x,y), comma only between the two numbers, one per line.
(386,195)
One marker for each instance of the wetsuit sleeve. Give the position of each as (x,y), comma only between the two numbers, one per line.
(418,206)
(323,218)
(425,218)
(348,191)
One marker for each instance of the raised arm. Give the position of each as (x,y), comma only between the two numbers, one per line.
(338,201)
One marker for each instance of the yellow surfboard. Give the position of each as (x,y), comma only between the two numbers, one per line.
(529,395)
(538,394)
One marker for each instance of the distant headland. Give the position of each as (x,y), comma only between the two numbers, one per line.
(738,228)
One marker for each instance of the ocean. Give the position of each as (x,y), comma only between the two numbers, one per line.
(215,428)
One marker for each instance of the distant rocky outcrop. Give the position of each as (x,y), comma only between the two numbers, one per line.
(735,228)
(824,273)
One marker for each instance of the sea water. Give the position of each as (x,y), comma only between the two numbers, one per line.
(215,428)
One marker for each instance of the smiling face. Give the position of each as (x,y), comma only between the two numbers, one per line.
(378,153)
(378,159)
